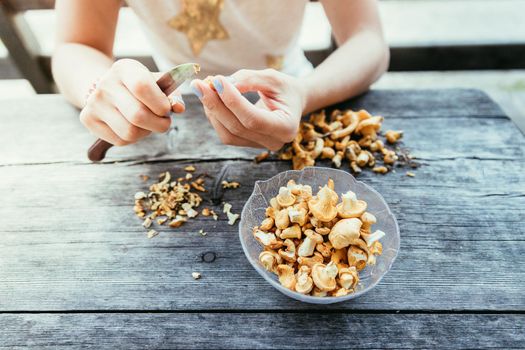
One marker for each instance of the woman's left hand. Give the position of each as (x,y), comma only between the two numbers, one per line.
(269,123)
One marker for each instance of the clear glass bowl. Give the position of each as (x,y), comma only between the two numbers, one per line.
(254,212)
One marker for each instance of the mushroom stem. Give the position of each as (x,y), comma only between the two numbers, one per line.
(371,238)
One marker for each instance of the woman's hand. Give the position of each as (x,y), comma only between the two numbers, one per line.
(127,105)
(270,123)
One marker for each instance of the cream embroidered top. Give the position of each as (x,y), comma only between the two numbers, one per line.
(224,36)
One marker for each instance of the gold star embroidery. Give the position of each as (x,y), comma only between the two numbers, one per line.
(199,20)
(275,62)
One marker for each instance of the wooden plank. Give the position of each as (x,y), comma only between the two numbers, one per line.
(23,48)
(403,109)
(261,330)
(71,242)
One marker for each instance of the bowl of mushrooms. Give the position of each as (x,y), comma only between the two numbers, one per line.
(318,235)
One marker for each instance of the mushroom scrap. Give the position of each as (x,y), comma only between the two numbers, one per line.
(317,245)
(350,135)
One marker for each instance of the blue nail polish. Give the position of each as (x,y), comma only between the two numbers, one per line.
(218,85)
(196,91)
(178,99)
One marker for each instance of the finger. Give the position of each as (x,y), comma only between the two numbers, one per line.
(121,126)
(136,112)
(142,84)
(215,109)
(251,117)
(103,131)
(256,80)
(228,138)
(89,118)
(177,103)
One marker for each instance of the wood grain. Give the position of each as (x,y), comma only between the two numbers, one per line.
(79,246)
(42,120)
(77,270)
(262,331)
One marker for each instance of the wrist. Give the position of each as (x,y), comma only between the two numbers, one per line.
(307,92)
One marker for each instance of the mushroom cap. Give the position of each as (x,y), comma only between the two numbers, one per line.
(298,215)
(348,277)
(289,253)
(282,220)
(362,114)
(351,207)
(340,292)
(291,232)
(307,247)
(286,276)
(265,238)
(368,219)
(269,259)
(324,276)
(344,232)
(357,257)
(304,284)
(323,206)
(310,261)
(325,248)
(267,224)
(285,197)
(339,255)
(369,126)
(319,293)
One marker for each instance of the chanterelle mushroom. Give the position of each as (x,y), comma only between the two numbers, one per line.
(348,277)
(324,276)
(344,232)
(370,127)
(368,220)
(267,239)
(307,247)
(310,261)
(282,220)
(285,198)
(371,238)
(351,120)
(286,276)
(289,253)
(323,207)
(267,224)
(357,257)
(269,259)
(350,207)
(392,135)
(298,215)
(293,232)
(304,283)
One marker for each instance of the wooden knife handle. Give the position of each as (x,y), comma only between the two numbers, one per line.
(98,150)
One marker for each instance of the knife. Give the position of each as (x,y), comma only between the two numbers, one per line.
(168,82)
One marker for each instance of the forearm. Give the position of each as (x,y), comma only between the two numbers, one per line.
(347,72)
(75,68)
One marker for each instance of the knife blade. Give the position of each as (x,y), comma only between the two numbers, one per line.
(168,82)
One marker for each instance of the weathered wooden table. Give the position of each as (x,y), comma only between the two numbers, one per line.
(76,268)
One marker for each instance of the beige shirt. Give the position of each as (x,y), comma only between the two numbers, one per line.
(224,36)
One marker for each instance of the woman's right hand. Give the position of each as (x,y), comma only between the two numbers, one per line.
(127,105)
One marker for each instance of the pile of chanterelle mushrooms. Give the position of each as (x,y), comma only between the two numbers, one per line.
(347,135)
(317,244)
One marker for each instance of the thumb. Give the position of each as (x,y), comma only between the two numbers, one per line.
(176,101)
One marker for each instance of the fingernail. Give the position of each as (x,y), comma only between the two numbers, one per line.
(196,90)
(218,85)
(177,100)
